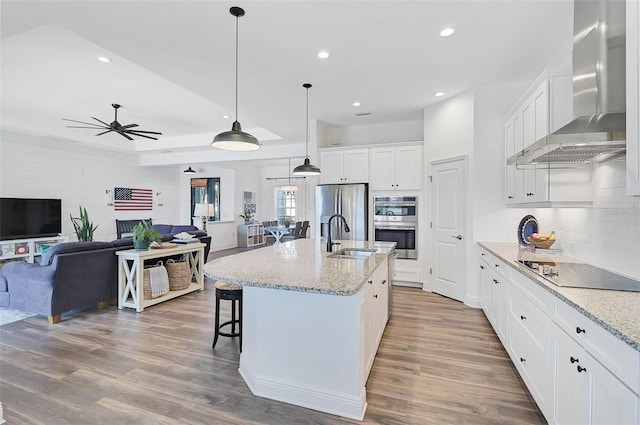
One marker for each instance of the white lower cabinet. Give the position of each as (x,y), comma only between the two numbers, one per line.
(576,371)
(586,392)
(495,293)
(375,313)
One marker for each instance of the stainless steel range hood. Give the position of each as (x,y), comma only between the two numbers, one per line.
(598,130)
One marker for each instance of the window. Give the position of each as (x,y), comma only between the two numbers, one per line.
(286,206)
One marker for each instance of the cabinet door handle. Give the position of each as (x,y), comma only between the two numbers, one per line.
(375,295)
(522,359)
(573,359)
(458,237)
(579,330)
(509,197)
(523,317)
(495,280)
(482,267)
(581,369)
(370,282)
(497,265)
(384,282)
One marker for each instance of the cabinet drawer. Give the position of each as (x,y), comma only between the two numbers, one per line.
(621,360)
(542,298)
(531,362)
(529,319)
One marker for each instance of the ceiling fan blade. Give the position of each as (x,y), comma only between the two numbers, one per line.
(140,131)
(139,135)
(77,126)
(100,121)
(104,132)
(123,135)
(82,122)
(129,126)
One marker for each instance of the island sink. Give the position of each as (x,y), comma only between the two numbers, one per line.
(353,254)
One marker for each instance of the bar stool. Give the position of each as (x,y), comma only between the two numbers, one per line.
(233,293)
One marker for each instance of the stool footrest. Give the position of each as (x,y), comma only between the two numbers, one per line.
(230,334)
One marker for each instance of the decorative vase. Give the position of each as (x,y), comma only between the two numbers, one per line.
(246,221)
(142,245)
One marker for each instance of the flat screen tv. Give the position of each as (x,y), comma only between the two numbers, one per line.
(22,218)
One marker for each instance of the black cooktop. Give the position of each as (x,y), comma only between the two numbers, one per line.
(580,275)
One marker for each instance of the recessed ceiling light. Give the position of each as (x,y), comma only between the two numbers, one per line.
(323,54)
(226,117)
(104,59)
(580,144)
(446,32)
(438,94)
(356,103)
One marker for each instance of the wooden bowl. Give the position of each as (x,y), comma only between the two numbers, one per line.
(544,244)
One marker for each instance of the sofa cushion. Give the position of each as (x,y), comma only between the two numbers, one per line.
(163,229)
(183,228)
(119,243)
(68,247)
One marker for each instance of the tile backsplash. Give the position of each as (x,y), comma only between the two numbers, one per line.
(607,234)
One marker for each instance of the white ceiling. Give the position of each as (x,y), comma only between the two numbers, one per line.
(173,63)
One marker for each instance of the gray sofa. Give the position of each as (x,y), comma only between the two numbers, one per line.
(72,275)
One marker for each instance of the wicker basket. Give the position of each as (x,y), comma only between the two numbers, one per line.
(544,244)
(146,282)
(179,274)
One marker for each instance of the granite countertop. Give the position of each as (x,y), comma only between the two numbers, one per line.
(616,311)
(300,265)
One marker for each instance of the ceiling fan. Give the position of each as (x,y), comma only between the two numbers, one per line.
(123,130)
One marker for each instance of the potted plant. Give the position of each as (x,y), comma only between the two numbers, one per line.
(249,211)
(83,227)
(143,235)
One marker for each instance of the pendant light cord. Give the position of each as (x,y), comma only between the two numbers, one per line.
(307,134)
(237,21)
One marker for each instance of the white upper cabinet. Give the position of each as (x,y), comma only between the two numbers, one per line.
(545,107)
(344,166)
(396,167)
(633,98)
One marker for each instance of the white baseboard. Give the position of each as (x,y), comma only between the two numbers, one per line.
(407,284)
(306,396)
(474,302)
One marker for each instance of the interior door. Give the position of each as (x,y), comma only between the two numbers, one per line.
(448,223)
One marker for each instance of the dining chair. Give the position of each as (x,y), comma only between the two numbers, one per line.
(303,230)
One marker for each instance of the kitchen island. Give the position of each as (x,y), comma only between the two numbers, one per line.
(311,323)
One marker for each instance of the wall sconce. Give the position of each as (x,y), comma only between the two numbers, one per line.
(159,199)
(109,193)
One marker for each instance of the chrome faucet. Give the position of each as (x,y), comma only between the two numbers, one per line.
(346,228)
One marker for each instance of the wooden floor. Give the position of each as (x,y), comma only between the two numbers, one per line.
(439,363)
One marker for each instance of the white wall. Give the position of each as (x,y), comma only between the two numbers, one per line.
(32,167)
(223,233)
(406,131)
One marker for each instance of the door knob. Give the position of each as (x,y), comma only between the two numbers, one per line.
(459,237)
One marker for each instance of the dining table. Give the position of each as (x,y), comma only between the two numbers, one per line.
(277,231)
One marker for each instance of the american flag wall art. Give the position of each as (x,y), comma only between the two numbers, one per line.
(126,199)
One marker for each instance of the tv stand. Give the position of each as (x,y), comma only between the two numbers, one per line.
(27,249)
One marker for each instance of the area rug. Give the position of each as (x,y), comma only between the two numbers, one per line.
(9,315)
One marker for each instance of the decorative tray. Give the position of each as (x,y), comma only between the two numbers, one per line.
(165,245)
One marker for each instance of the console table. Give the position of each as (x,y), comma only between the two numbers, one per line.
(131,269)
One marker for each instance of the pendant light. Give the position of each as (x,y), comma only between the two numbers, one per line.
(307,169)
(189,170)
(236,139)
(289,189)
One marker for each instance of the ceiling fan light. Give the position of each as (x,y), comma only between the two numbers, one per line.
(235,140)
(306,169)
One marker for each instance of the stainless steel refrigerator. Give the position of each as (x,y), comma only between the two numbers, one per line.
(349,200)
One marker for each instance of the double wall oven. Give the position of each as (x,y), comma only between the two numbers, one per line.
(396,220)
